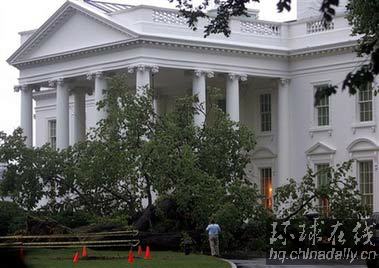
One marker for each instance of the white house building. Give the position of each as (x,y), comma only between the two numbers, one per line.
(269,72)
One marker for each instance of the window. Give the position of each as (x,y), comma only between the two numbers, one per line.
(322,110)
(52,138)
(265,110)
(323,181)
(365,169)
(365,104)
(266,187)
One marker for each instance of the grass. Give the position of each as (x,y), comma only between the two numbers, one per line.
(62,258)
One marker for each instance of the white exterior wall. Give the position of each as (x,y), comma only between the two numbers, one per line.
(83,40)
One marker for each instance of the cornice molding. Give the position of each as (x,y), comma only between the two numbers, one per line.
(324,50)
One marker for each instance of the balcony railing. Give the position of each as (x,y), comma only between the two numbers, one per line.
(260,28)
(168,17)
(319,26)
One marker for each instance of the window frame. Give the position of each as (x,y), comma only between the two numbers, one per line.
(358,172)
(316,108)
(49,132)
(267,201)
(323,203)
(262,113)
(358,106)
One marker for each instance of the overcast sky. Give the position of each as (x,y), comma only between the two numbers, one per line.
(21,15)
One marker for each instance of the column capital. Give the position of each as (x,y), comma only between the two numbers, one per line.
(154,69)
(198,73)
(18,88)
(233,76)
(97,74)
(284,81)
(25,88)
(143,67)
(56,82)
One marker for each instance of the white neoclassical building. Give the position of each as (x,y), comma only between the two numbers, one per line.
(268,72)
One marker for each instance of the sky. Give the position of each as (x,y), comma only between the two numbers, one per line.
(22,15)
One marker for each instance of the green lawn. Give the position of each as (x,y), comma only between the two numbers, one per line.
(62,258)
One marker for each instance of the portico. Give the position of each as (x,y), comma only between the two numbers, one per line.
(75,99)
(265,75)
(66,64)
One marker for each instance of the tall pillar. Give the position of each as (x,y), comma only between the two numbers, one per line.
(100,88)
(283,132)
(143,73)
(62,107)
(232,95)
(200,90)
(26,120)
(142,79)
(79,115)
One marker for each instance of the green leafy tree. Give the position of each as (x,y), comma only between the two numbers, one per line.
(132,153)
(296,199)
(22,180)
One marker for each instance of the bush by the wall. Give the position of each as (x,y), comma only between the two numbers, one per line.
(12,218)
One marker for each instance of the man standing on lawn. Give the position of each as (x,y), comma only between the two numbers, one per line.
(214,230)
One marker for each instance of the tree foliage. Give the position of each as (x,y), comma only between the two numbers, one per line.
(132,154)
(296,199)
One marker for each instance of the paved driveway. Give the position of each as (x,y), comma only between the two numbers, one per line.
(261,263)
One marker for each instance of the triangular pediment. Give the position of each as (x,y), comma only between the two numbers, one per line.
(72,28)
(263,153)
(320,148)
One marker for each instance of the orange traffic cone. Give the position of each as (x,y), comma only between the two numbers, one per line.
(140,252)
(147,254)
(76,258)
(84,251)
(131,257)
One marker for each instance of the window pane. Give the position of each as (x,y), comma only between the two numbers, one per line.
(265,111)
(322,181)
(365,104)
(366,182)
(52,139)
(266,187)
(322,177)
(322,110)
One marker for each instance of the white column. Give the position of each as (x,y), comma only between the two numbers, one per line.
(142,79)
(62,107)
(283,132)
(26,120)
(143,72)
(101,86)
(79,115)
(200,90)
(232,95)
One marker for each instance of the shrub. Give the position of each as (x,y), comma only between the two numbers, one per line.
(12,218)
(72,219)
